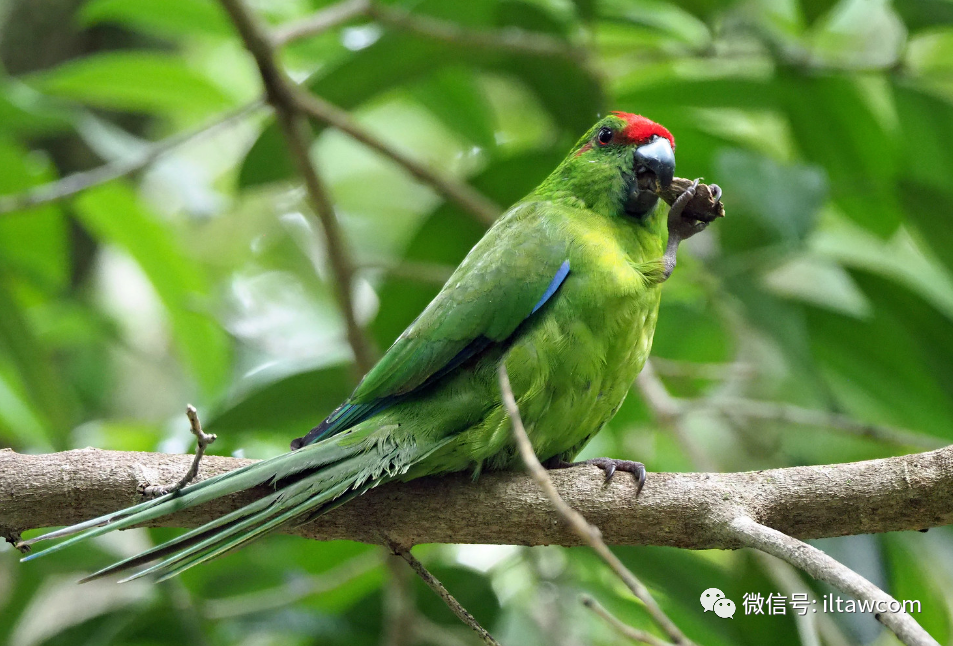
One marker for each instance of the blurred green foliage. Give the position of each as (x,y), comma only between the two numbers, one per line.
(202,278)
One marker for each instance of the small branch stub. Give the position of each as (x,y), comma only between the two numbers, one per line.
(634,634)
(204,439)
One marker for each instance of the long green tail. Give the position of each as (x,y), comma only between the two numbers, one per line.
(307,483)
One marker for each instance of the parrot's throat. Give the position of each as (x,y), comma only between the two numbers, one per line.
(640,198)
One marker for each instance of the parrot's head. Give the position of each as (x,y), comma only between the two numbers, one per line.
(611,159)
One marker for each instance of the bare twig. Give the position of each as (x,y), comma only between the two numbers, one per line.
(203,440)
(464,195)
(400,612)
(589,533)
(510,40)
(280,93)
(810,625)
(636,635)
(822,567)
(669,411)
(740,407)
(699,370)
(462,613)
(327,18)
(78,182)
(430,632)
(423,272)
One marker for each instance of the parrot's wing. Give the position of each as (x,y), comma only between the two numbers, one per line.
(509,275)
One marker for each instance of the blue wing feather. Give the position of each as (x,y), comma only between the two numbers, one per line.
(553,286)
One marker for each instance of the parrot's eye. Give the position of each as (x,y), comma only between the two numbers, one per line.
(604,136)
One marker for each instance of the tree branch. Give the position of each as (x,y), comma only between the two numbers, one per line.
(280,93)
(78,182)
(455,607)
(822,567)
(467,197)
(317,23)
(634,634)
(753,409)
(511,40)
(910,492)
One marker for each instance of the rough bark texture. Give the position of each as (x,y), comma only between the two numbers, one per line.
(679,509)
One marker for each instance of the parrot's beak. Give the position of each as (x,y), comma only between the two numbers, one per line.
(658,157)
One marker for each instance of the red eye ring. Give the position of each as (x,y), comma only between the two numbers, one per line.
(605,136)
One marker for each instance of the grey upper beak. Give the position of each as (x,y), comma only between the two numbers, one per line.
(658,157)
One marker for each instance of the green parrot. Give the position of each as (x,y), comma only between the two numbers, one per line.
(563,290)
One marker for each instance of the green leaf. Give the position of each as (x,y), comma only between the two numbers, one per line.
(20,424)
(39,377)
(814,9)
(926,121)
(22,112)
(399,59)
(114,215)
(34,242)
(924,14)
(835,127)
(454,97)
(586,9)
(267,160)
(898,366)
(909,557)
(287,407)
(136,81)
(782,199)
(173,18)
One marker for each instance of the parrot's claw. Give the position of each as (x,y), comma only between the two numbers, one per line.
(609,466)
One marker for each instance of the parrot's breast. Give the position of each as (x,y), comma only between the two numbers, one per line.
(584,356)
(570,366)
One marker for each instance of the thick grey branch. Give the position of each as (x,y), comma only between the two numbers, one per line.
(902,493)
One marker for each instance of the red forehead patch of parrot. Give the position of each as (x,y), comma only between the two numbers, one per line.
(639,130)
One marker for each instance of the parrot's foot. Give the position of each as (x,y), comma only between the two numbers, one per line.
(609,467)
(679,227)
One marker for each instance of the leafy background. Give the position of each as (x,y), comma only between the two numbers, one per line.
(202,278)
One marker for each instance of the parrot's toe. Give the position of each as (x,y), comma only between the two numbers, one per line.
(609,466)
